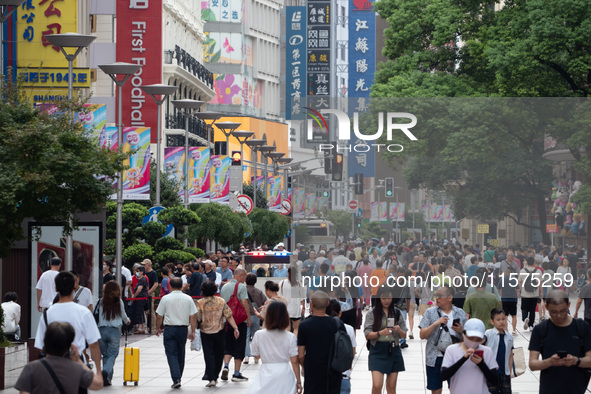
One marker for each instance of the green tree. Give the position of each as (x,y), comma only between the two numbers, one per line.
(248,189)
(132,215)
(173,256)
(341,222)
(48,166)
(168,243)
(180,218)
(302,234)
(268,227)
(524,49)
(372,230)
(220,224)
(153,231)
(137,253)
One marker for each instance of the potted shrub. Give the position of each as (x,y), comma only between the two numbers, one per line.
(13,357)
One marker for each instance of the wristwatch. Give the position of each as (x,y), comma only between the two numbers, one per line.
(578,362)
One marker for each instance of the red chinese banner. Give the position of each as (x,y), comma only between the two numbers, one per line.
(139,40)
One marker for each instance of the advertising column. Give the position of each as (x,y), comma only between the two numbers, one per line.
(139,40)
(295,84)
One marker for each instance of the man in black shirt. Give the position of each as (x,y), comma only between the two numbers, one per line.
(315,336)
(153,285)
(195,280)
(565,346)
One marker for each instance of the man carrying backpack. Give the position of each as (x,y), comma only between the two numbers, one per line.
(565,346)
(530,281)
(315,336)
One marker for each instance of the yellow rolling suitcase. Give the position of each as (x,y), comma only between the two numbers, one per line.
(131,364)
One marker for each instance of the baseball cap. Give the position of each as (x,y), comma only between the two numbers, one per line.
(474,328)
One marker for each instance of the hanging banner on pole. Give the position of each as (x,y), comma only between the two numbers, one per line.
(136,178)
(220,179)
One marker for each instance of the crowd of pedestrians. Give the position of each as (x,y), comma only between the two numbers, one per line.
(464,297)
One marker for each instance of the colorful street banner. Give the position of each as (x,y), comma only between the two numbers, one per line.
(295,84)
(435,213)
(274,192)
(396,212)
(299,199)
(199,165)
(379,211)
(310,203)
(322,202)
(136,176)
(220,179)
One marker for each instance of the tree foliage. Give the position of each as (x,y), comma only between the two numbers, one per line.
(268,227)
(180,218)
(168,243)
(446,48)
(372,230)
(220,224)
(137,253)
(48,166)
(302,234)
(172,256)
(248,189)
(341,222)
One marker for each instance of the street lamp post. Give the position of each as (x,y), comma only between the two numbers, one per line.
(227,128)
(187,105)
(242,136)
(163,91)
(63,41)
(114,70)
(255,144)
(7,7)
(211,117)
(285,161)
(265,150)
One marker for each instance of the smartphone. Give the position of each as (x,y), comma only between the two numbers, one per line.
(562,353)
(456,322)
(479,352)
(390,322)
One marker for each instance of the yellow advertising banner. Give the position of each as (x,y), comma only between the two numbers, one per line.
(55,77)
(37,19)
(494,242)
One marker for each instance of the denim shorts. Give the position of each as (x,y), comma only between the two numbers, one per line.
(434,381)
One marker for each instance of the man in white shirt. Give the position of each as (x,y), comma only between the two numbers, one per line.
(339,261)
(65,310)
(12,315)
(178,311)
(46,285)
(82,295)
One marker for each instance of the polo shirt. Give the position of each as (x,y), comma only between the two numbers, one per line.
(176,308)
(226,274)
(228,290)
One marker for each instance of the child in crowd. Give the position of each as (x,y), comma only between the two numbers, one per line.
(501,343)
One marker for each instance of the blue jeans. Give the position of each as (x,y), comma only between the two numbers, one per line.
(109,345)
(250,331)
(345,386)
(175,339)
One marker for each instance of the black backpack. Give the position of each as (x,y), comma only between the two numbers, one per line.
(341,354)
(527,284)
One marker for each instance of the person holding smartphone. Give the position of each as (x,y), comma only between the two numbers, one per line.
(469,365)
(384,327)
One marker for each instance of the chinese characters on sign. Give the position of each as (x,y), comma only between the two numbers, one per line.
(362,65)
(318,44)
(296,60)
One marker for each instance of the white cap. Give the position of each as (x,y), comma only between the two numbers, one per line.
(474,328)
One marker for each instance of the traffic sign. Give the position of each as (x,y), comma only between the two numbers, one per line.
(358,213)
(245,204)
(153,217)
(551,228)
(482,229)
(353,205)
(285,208)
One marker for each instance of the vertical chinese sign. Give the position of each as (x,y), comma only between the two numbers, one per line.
(139,41)
(318,43)
(362,65)
(295,84)
(42,67)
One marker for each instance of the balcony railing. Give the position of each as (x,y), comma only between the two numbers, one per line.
(189,63)
(196,127)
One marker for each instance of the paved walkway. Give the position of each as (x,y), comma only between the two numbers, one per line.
(155,377)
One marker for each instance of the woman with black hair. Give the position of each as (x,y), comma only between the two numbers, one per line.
(211,312)
(384,327)
(271,291)
(277,348)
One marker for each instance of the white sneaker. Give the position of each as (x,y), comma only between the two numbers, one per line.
(526,324)
(245,361)
(256,360)
(211,383)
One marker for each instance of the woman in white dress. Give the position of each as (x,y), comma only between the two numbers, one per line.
(277,349)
